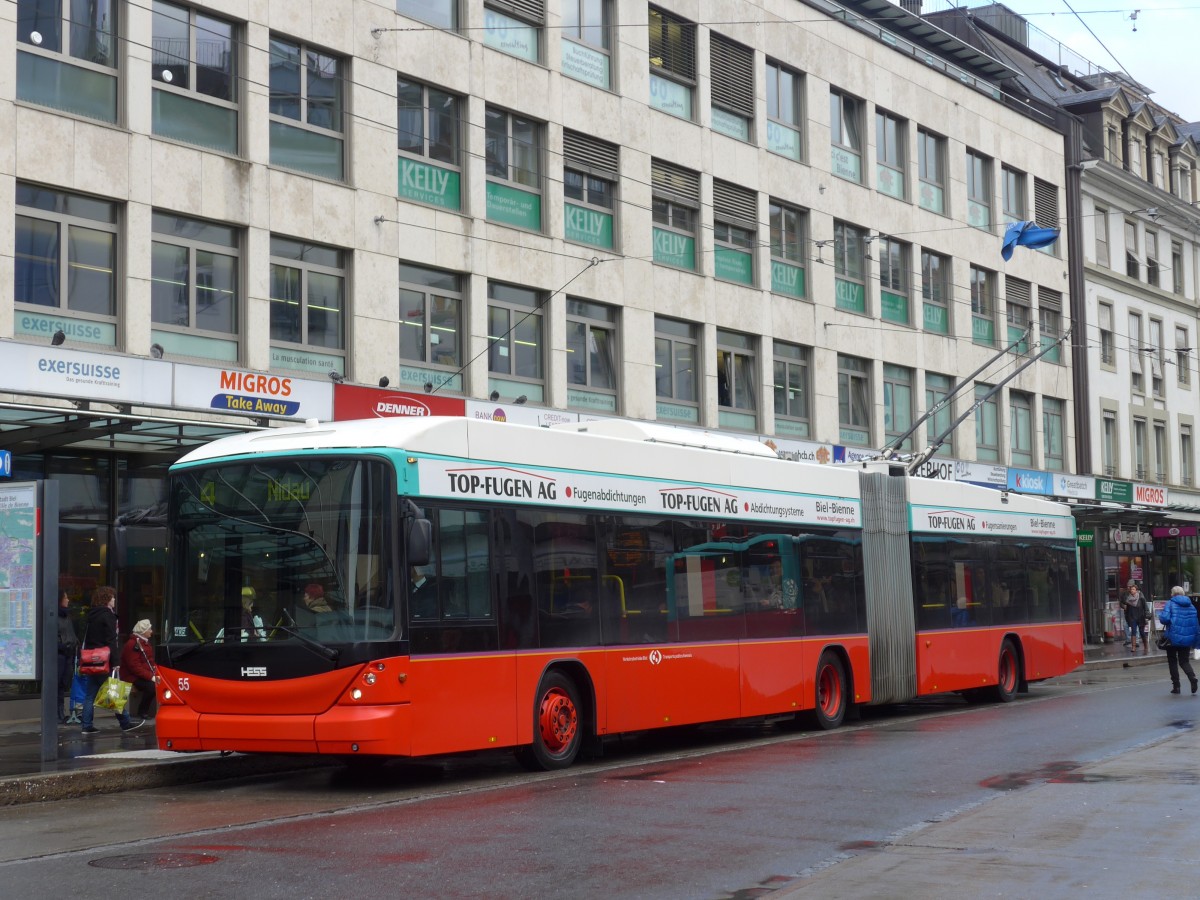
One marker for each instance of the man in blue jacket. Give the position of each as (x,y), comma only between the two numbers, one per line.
(1179,617)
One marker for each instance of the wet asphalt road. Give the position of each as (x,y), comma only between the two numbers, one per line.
(722,813)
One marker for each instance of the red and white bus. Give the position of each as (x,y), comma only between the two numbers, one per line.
(405,587)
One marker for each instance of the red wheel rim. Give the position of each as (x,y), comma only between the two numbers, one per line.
(558,720)
(829,691)
(1008,670)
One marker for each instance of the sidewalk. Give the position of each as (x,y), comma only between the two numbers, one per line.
(115,761)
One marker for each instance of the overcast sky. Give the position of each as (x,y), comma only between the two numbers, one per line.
(1163,54)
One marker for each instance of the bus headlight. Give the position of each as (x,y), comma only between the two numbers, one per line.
(356,694)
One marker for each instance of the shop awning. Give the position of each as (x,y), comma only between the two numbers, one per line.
(146,438)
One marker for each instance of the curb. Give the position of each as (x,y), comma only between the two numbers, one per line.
(147,774)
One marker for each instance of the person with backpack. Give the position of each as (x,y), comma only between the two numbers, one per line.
(1182,627)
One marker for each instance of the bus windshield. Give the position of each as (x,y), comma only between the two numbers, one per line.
(291,549)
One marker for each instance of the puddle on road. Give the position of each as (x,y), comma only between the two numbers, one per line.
(135,861)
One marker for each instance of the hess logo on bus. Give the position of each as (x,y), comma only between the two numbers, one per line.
(254,671)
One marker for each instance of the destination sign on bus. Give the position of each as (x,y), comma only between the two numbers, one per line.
(989,522)
(579,490)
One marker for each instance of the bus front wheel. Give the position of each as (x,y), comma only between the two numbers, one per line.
(831,691)
(1008,674)
(557,725)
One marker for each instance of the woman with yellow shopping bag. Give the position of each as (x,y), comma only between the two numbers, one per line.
(99,635)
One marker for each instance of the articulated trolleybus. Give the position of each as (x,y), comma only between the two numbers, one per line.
(405,587)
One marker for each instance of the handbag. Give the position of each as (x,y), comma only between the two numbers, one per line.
(114,693)
(79,685)
(94,661)
(1163,641)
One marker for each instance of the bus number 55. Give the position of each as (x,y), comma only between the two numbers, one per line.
(184,684)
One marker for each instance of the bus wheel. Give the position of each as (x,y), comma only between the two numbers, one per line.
(557,730)
(831,691)
(1009,673)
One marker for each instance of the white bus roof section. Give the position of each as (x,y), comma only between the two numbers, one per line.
(960,495)
(574,449)
(653,432)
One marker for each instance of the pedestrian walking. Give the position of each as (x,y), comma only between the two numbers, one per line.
(1179,618)
(100,630)
(138,668)
(1137,613)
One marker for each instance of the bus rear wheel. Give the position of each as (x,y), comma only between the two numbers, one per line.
(557,727)
(831,691)
(1008,674)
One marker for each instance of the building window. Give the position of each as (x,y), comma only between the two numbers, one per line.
(737,384)
(935,291)
(791,390)
(845,132)
(65,254)
(1045,211)
(1052,434)
(590,177)
(1155,353)
(672,63)
(676,370)
(515,345)
(1108,446)
(1050,324)
(849,268)
(587,29)
(1152,266)
(788,234)
(979,191)
(987,425)
(194,287)
(431,328)
(894,285)
(890,140)
(676,201)
(1158,170)
(513,162)
(442,13)
(1136,381)
(735,232)
(306,109)
(983,306)
(1017,311)
(429,141)
(931,171)
(1012,185)
(308,306)
(854,400)
(1108,347)
(897,405)
(1183,359)
(1161,475)
(937,394)
(785,111)
(1177,268)
(732,73)
(1133,263)
(591,356)
(1021,428)
(1135,155)
(194,58)
(1139,449)
(1185,455)
(515,27)
(1101,220)
(67,58)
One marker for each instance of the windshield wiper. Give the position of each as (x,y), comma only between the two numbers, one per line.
(330,653)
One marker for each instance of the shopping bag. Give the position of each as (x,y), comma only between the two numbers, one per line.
(78,689)
(114,694)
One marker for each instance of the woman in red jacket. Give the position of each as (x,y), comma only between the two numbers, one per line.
(137,667)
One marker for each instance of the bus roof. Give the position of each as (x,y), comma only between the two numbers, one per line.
(646,450)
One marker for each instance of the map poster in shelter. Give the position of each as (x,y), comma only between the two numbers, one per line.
(18,581)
